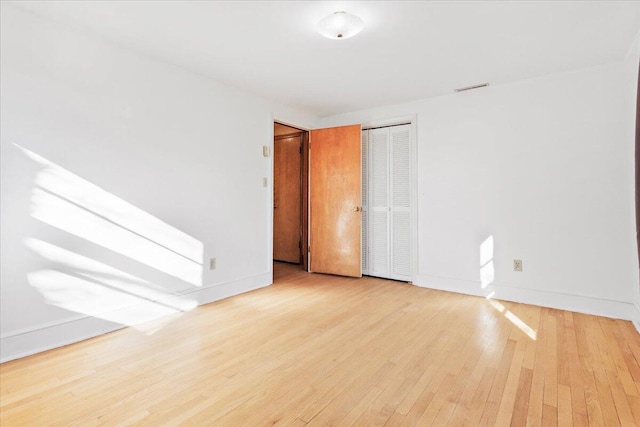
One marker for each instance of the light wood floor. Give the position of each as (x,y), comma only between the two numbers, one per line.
(316,350)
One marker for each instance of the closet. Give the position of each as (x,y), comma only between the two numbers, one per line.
(386,202)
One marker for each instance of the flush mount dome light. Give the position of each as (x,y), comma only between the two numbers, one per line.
(340,25)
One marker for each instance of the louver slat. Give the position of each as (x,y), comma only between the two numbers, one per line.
(365,189)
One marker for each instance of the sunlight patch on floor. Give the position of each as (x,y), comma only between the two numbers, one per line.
(512,317)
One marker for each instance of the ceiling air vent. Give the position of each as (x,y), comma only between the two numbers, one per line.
(462,89)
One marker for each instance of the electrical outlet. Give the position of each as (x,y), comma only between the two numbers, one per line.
(517,265)
(212,264)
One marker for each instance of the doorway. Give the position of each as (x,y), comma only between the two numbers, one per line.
(290,195)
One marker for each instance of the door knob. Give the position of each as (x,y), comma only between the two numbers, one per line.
(275,206)
(357,209)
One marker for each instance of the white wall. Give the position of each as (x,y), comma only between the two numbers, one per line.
(121,177)
(545,167)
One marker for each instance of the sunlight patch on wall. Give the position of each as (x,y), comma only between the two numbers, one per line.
(89,287)
(487,271)
(486,251)
(85,296)
(98,272)
(80,284)
(72,204)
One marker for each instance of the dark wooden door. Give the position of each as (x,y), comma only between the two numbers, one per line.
(286,199)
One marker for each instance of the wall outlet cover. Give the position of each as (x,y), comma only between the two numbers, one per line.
(517,265)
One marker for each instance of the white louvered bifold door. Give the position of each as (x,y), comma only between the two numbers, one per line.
(400,151)
(386,202)
(365,188)
(378,184)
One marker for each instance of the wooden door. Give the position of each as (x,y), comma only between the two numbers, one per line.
(286,198)
(335,201)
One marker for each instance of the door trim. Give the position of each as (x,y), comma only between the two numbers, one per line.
(304,193)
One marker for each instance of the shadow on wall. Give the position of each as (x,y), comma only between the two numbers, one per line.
(93,217)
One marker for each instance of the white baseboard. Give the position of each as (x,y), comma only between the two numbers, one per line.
(577,303)
(26,342)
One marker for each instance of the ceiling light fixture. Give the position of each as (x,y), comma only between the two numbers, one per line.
(340,25)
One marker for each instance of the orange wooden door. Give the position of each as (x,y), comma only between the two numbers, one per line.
(335,201)
(286,199)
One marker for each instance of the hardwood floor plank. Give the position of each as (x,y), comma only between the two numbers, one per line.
(491,406)
(623,411)
(565,414)
(471,384)
(634,406)
(551,360)
(576,373)
(521,404)
(549,416)
(536,398)
(508,399)
(618,350)
(594,411)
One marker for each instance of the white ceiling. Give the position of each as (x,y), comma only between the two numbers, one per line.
(407,51)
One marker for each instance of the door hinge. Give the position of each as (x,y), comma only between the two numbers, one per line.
(300,149)
(299,245)
(309,248)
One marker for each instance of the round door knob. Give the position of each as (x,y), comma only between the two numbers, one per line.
(357,209)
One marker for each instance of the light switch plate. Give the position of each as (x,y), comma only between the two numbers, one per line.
(266,150)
